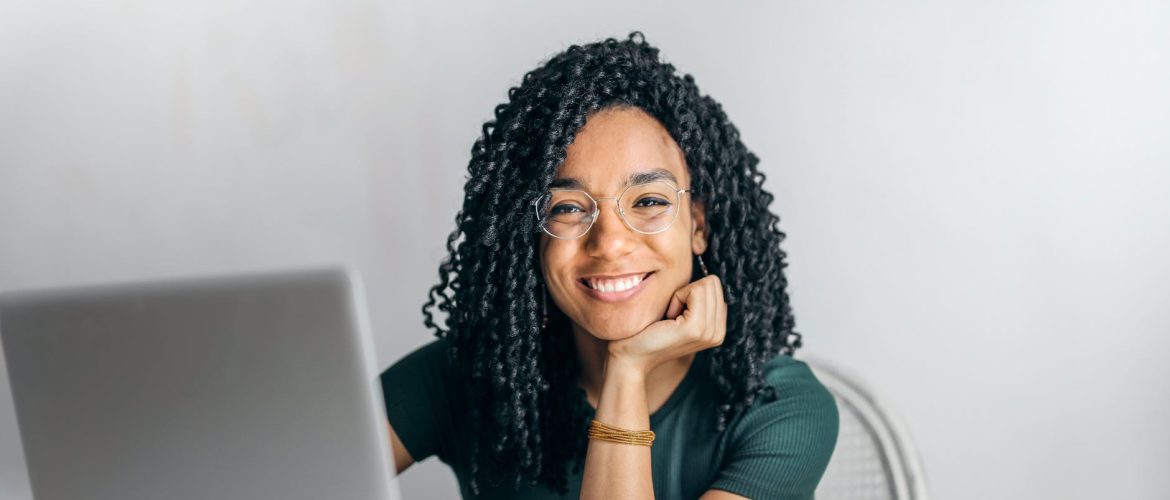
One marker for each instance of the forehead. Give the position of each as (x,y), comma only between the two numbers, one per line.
(619,147)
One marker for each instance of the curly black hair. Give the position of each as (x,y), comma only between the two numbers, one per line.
(520,377)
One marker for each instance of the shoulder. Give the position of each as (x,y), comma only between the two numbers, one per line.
(435,349)
(428,367)
(794,377)
(421,392)
(429,357)
(780,448)
(804,411)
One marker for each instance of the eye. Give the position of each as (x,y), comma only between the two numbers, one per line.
(651,202)
(564,208)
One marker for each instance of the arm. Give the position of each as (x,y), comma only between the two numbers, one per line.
(721,495)
(697,319)
(771,463)
(616,470)
(417,391)
(402,458)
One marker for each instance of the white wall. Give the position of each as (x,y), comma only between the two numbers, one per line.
(974,192)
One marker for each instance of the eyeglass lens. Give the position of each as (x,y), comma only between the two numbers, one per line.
(646,208)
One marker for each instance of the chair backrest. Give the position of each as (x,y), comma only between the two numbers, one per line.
(874,458)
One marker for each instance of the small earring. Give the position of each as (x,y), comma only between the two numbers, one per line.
(543,307)
(702,265)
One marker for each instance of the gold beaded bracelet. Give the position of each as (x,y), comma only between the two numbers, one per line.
(598,430)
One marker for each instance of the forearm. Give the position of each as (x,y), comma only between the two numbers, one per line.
(616,470)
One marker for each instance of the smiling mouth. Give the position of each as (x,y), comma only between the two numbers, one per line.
(615,289)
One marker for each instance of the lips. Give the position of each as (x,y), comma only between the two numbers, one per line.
(615,288)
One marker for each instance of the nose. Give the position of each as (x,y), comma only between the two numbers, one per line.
(609,238)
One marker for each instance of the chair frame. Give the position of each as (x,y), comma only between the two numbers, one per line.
(907,479)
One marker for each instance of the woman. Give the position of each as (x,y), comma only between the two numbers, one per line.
(617,320)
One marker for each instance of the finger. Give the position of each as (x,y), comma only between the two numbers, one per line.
(712,308)
(674,308)
(678,301)
(715,321)
(694,319)
(721,322)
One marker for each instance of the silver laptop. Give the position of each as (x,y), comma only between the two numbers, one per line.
(244,387)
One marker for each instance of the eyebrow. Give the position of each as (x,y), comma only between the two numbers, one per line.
(657,174)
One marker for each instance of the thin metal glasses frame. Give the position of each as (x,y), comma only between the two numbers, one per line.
(621,212)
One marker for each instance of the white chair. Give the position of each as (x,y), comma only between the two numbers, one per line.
(874,458)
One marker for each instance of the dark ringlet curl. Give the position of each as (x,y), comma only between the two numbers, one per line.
(521,387)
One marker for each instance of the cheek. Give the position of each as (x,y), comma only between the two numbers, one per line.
(554,262)
(676,252)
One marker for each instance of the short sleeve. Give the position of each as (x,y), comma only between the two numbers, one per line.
(780,448)
(419,392)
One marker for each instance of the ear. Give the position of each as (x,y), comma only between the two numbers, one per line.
(698,228)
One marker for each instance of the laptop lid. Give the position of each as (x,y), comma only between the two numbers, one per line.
(242,387)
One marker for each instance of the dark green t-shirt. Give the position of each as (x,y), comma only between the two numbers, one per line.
(776,449)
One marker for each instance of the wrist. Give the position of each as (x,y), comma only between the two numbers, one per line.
(622,369)
(622,402)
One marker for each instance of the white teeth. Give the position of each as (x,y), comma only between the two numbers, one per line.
(615,285)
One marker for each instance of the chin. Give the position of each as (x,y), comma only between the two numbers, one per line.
(618,331)
(611,335)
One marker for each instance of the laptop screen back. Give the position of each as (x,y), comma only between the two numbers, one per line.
(249,387)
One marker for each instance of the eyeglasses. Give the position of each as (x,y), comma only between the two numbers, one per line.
(648,208)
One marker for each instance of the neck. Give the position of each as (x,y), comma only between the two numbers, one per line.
(592,354)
